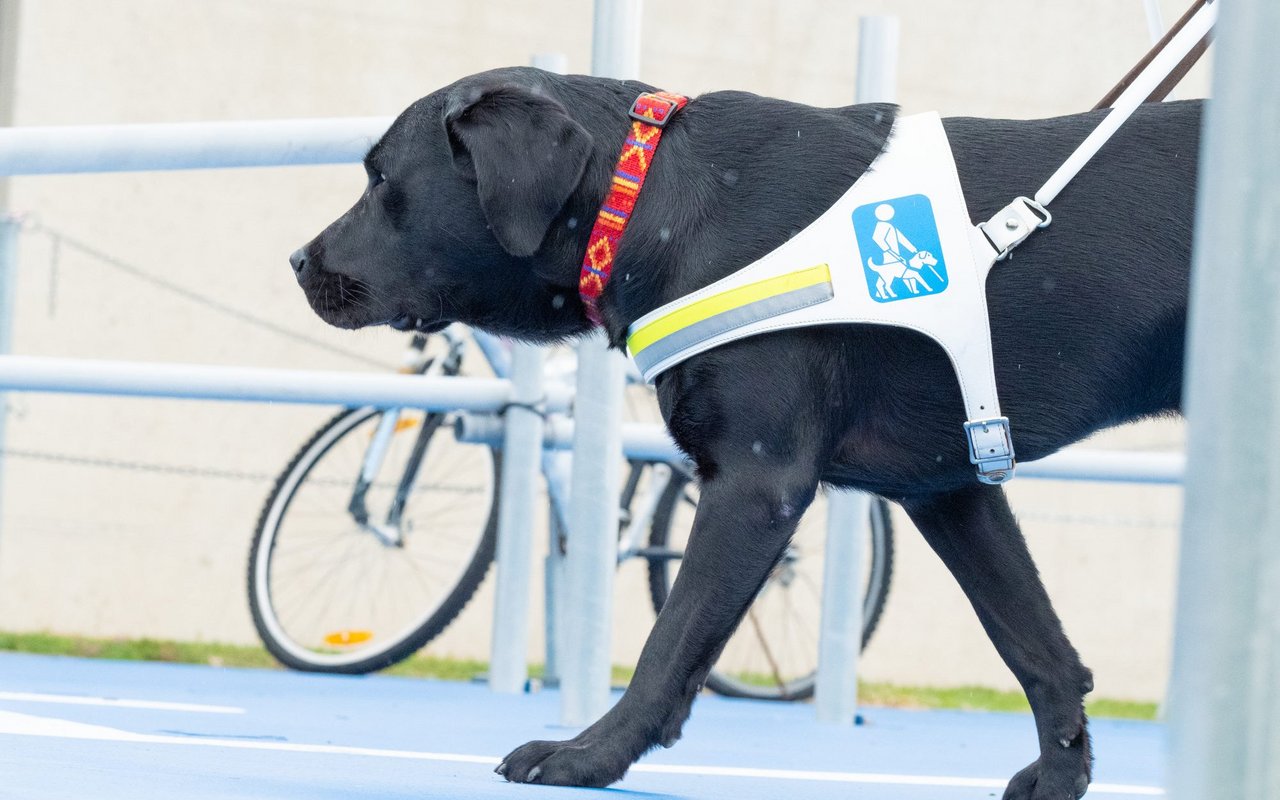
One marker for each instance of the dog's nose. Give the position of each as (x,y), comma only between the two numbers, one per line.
(298,260)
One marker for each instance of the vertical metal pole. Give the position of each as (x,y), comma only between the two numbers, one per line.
(551,62)
(10,228)
(1155,20)
(615,39)
(592,556)
(556,466)
(552,603)
(840,640)
(9,225)
(8,67)
(877,60)
(848,513)
(1155,27)
(553,565)
(1224,705)
(522,449)
(597,451)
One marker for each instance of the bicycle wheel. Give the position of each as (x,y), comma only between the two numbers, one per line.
(329,594)
(774,653)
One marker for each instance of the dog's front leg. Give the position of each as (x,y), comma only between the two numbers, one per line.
(974,532)
(746,515)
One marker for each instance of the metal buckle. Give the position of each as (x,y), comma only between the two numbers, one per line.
(991,449)
(1010,228)
(672,107)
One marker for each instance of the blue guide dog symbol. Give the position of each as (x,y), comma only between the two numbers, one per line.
(901,251)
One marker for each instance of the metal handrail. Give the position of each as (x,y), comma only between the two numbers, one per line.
(65,149)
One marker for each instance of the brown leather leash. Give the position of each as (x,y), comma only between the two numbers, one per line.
(1184,66)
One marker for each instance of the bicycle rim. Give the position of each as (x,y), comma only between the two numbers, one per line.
(329,595)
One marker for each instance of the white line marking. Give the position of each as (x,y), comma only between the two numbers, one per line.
(78,700)
(15,724)
(878,778)
(12,723)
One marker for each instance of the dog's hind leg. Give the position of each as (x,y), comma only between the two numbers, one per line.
(974,532)
(744,520)
(880,288)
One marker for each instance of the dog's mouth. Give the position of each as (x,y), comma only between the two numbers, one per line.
(408,322)
(346,302)
(341,301)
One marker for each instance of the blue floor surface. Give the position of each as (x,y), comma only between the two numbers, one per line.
(73,728)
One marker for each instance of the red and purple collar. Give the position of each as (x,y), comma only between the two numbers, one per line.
(650,112)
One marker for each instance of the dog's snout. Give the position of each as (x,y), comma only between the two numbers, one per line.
(298,260)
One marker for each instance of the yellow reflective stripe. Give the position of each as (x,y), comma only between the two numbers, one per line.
(726,301)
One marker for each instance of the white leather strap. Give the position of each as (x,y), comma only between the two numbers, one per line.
(1012,224)
(1161,67)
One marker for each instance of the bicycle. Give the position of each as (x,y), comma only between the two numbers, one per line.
(333,589)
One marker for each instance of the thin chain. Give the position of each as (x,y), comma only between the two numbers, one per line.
(188,471)
(193,471)
(1099,520)
(60,238)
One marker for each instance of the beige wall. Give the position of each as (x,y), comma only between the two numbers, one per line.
(113,551)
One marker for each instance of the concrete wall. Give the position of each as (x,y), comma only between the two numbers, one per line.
(109,548)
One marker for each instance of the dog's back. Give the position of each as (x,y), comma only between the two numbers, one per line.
(1088,316)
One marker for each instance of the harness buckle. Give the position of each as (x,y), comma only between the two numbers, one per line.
(991,449)
(646,102)
(1012,225)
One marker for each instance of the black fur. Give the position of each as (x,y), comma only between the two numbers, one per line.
(491,186)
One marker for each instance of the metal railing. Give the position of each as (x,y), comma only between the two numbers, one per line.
(64,149)
(592,519)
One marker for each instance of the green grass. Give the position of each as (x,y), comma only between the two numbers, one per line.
(218,655)
(966,698)
(971,698)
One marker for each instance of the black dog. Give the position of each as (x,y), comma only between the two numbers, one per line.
(480,200)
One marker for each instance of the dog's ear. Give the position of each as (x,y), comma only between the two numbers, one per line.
(525,154)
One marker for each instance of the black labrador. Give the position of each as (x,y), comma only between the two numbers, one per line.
(479,202)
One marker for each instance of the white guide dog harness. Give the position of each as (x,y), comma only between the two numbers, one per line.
(898,248)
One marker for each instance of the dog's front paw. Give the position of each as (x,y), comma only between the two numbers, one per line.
(1061,775)
(582,761)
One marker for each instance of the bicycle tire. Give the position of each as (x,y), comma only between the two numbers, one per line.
(405,645)
(879,574)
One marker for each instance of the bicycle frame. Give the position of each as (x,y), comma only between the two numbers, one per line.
(556,464)
(415,362)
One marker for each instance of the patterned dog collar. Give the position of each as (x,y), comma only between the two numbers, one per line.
(649,113)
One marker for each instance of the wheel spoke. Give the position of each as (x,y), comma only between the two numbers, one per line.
(768,654)
(326,575)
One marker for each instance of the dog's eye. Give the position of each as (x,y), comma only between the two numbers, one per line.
(376,178)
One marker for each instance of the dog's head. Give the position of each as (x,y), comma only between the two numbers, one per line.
(455,220)
(924,257)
